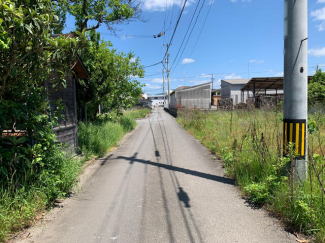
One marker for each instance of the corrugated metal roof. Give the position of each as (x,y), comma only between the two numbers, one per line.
(236,81)
(266,83)
(178,89)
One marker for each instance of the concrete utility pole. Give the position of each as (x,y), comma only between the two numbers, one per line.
(167,60)
(212,82)
(164,87)
(295,84)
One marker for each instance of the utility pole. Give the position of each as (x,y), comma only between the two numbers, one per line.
(167,60)
(212,82)
(295,85)
(164,87)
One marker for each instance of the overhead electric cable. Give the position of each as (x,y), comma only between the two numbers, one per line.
(152,75)
(197,17)
(188,28)
(201,30)
(206,75)
(179,17)
(153,64)
(197,40)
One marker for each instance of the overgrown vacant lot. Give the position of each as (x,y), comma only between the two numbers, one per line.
(250,144)
(34,188)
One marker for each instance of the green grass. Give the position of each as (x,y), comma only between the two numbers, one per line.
(250,144)
(136,114)
(96,138)
(20,205)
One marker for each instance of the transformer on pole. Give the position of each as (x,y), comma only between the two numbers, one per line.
(295,106)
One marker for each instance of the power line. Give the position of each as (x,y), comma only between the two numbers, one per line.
(197,17)
(201,30)
(179,17)
(188,28)
(152,75)
(153,64)
(208,75)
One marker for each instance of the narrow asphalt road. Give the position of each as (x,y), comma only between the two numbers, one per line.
(160,185)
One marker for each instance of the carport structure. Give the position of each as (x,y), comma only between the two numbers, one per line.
(265,86)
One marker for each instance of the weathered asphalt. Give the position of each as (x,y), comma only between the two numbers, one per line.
(160,185)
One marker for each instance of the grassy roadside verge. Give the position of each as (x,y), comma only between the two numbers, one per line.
(95,138)
(250,144)
(20,207)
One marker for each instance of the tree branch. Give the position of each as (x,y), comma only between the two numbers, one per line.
(95,27)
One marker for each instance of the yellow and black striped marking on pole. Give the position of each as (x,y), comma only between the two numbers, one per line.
(294,131)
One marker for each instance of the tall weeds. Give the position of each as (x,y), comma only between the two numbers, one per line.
(97,137)
(28,191)
(250,144)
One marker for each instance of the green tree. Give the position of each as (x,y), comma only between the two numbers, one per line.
(113,77)
(90,14)
(29,55)
(316,88)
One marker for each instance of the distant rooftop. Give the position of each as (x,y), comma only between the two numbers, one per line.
(181,87)
(158,95)
(236,81)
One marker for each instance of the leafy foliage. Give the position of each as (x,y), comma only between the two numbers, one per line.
(34,170)
(30,55)
(110,12)
(316,88)
(111,83)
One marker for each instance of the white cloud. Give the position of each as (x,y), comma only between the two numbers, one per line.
(134,76)
(233,76)
(149,86)
(197,82)
(254,61)
(321,1)
(211,2)
(317,52)
(133,59)
(124,37)
(160,80)
(281,74)
(188,60)
(319,15)
(203,75)
(157,80)
(160,5)
(321,27)
(311,72)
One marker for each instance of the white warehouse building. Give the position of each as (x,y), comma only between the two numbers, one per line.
(157,100)
(231,88)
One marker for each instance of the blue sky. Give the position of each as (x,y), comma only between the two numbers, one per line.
(240,39)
